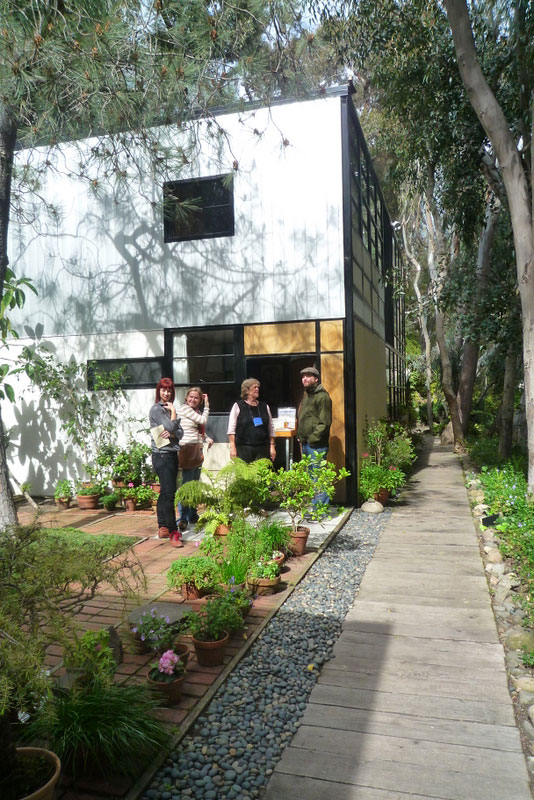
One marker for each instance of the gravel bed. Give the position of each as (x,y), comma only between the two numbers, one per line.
(238,740)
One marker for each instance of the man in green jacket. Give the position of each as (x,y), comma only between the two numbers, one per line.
(315,418)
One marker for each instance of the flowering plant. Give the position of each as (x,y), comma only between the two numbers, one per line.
(141,494)
(264,568)
(156,630)
(238,597)
(169,667)
(218,617)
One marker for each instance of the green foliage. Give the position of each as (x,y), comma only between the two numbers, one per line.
(156,630)
(230,494)
(528,659)
(101,729)
(91,655)
(294,489)
(271,536)
(89,418)
(141,494)
(63,490)
(199,571)
(484,451)
(219,616)
(264,568)
(374,477)
(506,493)
(128,464)
(238,597)
(109,501)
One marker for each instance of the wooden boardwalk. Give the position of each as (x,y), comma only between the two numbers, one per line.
(415,703)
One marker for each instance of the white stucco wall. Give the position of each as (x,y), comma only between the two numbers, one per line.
(101,264)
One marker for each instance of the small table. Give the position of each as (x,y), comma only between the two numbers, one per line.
(287,434)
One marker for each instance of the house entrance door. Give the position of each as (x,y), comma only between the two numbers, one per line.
(281,387)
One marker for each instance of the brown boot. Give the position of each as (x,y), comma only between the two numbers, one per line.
(176,539)
(163,533)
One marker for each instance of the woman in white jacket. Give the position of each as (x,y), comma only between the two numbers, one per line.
(193,415)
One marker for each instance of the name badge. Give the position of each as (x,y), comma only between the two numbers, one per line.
(257,421)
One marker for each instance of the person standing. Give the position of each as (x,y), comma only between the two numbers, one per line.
(250,426)
(165,458)
(194,413)
(315,419)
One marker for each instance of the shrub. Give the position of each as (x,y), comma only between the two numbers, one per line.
(104,729)
(200,571)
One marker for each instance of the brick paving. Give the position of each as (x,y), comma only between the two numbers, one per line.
(108,609)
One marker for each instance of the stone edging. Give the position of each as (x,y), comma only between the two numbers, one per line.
(504,586)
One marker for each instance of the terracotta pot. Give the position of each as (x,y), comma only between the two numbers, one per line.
(46,792)
(382,496)
(60,503)
(210,654)
(191,592)
(263,586)
(156,487)
(130,504)
(222,530)
(298,539)
(182,650)
(168,693)
(280,560)
(87,500)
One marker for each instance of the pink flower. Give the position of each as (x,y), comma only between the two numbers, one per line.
(168,662)
(130,485)
(365,455)
(393,467)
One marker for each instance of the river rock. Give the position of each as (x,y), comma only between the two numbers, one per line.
(372,507)
(493,555)
(525,683)
(519,639)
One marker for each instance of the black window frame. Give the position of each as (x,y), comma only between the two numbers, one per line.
(213,228)
(123,362)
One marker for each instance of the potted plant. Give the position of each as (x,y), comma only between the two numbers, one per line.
(273,539)
(210,629)
(263,577)
(166,678)
(88,494)
(295,489)
(239,596)
(89,658)
(194,576)
(155,631)
(378,480)
(229,494)
(136,495)
(63,493)
(109,501)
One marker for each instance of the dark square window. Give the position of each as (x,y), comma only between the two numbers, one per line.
(132,373)
(201,208)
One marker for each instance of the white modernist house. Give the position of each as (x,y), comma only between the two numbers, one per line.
(280,261)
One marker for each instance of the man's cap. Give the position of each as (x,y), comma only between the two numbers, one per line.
(310,371)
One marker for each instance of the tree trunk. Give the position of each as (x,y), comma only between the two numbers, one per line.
(447,385)
(507,407)
(517,188)
(471,347)
(8,138)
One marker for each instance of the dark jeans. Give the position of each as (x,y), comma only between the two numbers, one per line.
(166,468)
(188,513)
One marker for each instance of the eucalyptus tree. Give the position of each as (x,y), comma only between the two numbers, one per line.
(435,143)
(508,120)
(71,69)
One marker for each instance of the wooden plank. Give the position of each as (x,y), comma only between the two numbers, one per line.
(494,737)
(423,779)
(285,787)
(425,683)
(406,750)
(419,705)
(376,646)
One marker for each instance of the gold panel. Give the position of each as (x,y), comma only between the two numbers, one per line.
(282,337)
(332,380)
(332,334)
(371,388)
